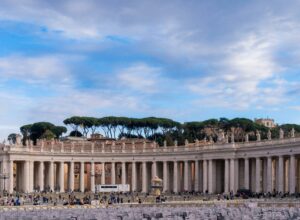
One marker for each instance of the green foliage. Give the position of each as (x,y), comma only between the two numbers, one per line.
(38,130)
(12,138)
(26,131)
(75,134)
(48,135)
(58,131)
(153,128)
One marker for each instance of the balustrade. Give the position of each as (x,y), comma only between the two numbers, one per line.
(122,147)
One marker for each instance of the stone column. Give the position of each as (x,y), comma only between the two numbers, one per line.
(154,169)
(269,174)
(41,176)
(247,183)
(210,176)
(165,176)
(71,176)
(103,174)
(205,176)
(61,177)
(186,176)
(11,176)
(31,175)
(124,173)
(258,175)
(226,176)
(113,173)
(292,180)
(144,178)
(175,178)
(134,177)
(26,177)
(196,185)
(92,176)
(236,174)
(280,177)
(51,176)
(81,176)
(264,175)
(232,175)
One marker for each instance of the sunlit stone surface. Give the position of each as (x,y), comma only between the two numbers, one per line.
(157,212)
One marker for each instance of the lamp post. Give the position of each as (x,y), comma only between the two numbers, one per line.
(4,176)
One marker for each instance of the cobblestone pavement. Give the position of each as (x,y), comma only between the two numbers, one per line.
(153,211)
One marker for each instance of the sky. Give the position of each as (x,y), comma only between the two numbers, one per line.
(185,60)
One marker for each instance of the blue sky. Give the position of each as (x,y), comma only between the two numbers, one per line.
(186,60)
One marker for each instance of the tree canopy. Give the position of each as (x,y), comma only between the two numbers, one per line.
(12,138)
(152,128)
(41,130)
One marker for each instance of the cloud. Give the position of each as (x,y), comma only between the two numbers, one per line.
(140,77)
(34,69)
(238,82)
(140,57)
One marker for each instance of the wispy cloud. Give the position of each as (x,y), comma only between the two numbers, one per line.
(140,77)
(143,57)
(34,69)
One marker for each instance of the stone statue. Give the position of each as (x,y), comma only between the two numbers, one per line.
(165,143)
(221,136)
(205,139)
(197,142)
(27,143)
(281,134)
(258,138)
(247,138)
(186,142)
(226,139)
(18,139)
(211,139)
(269,135)
(175,143)
(292,133)
(232,135)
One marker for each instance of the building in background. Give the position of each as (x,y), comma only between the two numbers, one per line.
(268,122)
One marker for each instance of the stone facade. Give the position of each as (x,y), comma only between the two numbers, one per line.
(262,166)
(267,122)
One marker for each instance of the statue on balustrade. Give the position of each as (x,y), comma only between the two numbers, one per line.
(258,137)
(292,133)
(18,139)
(269,135)
(281,134)
(247,138)
(221,136)
(186,142)
(165,143)
(232,135)
(226,139)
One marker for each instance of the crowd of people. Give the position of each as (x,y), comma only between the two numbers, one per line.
(74,198)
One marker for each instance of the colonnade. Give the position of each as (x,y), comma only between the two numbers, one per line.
(260,174)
